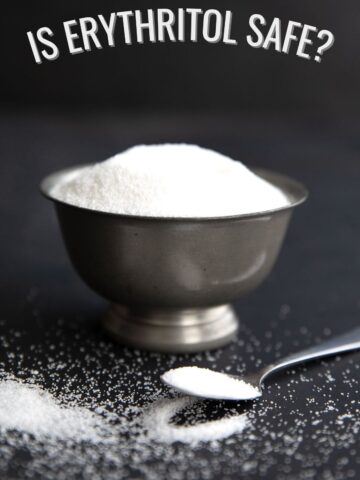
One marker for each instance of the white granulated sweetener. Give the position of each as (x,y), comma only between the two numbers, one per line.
(203,382)
(32,410)
(132,424)
(157,421)
(169,180)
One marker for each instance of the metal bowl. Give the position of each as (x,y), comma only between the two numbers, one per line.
(171,280)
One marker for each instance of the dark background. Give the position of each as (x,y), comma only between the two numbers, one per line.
(184,76)
(267,109)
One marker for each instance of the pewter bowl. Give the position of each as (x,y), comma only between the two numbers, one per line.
(171,280)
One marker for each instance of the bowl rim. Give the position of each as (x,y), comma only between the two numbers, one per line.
(299,194)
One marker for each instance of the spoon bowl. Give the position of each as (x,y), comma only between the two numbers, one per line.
(205,383)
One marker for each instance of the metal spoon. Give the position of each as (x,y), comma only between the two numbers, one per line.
(342,343)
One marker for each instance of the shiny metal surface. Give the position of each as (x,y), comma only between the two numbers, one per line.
(343,343)
(172,330)
(163,268)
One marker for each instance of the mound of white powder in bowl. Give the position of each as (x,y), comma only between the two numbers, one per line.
(169,180)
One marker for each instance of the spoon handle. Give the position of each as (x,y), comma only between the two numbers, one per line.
(341,343)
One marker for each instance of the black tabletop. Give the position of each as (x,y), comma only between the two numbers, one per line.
(307,424)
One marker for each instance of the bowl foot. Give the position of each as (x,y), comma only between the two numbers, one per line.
(173,331)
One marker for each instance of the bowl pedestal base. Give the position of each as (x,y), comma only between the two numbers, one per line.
(172,331)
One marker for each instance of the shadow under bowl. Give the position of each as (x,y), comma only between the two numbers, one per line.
(171,280)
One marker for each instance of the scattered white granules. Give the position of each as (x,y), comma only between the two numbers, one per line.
(202,382)
(304,427)
(30,409)
(157,421)
(170,180)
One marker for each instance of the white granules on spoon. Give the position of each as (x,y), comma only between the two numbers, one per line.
(203,382)
(170,180)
